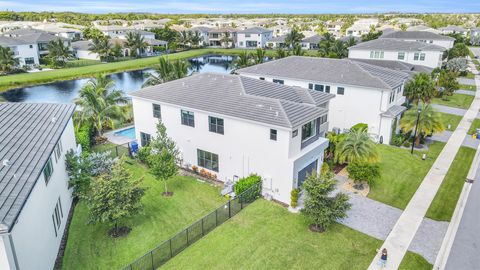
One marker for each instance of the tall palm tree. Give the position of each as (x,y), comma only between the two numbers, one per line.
(420,88)
(8,62)
(259,56)
(339,50)
(226,40)
(293,38)
(136,43)
(243,60)
(59,52)
(195,38)
(429,121)
(183,39)
(100,104)
(356,147)
(102,47)
(167,71)
(350,42)
(297,50)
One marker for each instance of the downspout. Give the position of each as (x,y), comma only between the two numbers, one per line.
(380,122)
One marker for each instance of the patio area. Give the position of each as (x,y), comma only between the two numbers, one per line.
(121,136)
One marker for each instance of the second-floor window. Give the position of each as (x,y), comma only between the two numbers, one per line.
(376,54)
(278,81)
(215,124)
(58,151)
(401,56)
(273,134)
(48,170)
(188,118)
(319,87)
(340,91)
(309,130)
(156,111)
(419,56)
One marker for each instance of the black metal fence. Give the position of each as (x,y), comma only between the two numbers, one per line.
(168,249)
(118,150)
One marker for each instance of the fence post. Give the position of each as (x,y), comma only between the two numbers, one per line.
(116,150)
(229,209)
(241,201)
(203,234)
(151,255)
(187,236)
(171,253)
(216,218)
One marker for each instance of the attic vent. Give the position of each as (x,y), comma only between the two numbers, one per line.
(5,162)
(54,119)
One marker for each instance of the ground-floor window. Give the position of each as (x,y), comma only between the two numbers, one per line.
(144,139)
(305,172)
(207,160)
(29,61)
(57,216)
(48,170)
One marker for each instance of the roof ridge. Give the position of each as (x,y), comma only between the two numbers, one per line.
(370,74)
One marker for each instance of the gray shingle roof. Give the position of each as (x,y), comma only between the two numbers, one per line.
(327,70)
(417,35)
(240,97)
(27,138)
(453,28)
(396,65)
(394,111)
(11,41)
(255,30)
(280,39)
(40,38)
(388,44)
(313,39)
(200,28)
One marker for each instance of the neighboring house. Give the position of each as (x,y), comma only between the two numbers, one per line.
(422,36)
(215,37)
(255,37)
(26,52)
(68,33)
(82,48)
(35,198)
(423,28)
(413,52)
(234,126)
(280,30)
(396,65)
(203,31)
(364,93)
(311,43)
(121,32)
(277,42)
(335,27)
(475,36)
(361,27)
(453,29)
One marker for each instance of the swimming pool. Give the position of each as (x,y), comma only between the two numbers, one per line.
(128,132)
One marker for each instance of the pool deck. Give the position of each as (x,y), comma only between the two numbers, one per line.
(118,139)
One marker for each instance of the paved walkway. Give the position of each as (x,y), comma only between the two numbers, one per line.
(468,141)
(402,234)
(449,110)
(462,80)
(465,92)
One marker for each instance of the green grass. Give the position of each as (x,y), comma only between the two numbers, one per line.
(450,119)
(456,100)
(469,75)
(446,199)
(89,246)
(401,173)
(413,261)
(267,236)
(474,126)
(468,87)
(82,63)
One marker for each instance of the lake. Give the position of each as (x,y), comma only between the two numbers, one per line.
(129,81)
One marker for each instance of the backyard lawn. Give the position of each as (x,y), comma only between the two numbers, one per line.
(266,236)
(89,246)
(468,87)
(474,126)
(394,188)
(413,261)
(450,119)
(446,199)
(456,100)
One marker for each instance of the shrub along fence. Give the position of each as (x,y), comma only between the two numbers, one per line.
(168,249)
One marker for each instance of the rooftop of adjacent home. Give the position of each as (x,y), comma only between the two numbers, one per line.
(328,70)
(388,44)
(417,35)
(28,135)
(241,97)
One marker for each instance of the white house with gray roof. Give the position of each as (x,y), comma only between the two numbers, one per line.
(422,36)
(412,52)
(255,37)
(453,29)
(26,52)
(35,198)
(234,126)
(364,93)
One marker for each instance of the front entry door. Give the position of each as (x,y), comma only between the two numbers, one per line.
(303,173)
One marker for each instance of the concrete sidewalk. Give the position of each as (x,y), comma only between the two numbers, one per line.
(402,234)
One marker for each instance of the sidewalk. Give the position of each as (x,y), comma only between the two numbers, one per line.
(402,234)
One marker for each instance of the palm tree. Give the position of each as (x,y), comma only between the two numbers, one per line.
(180,69)
(448,83)
(8,62)
(167,71)
(339,50)
(357,147)
(420,88)
(281,53)
(136,43)
(293,38)
(196,38)
(100,104)
(58,52)
(102,47)
(259,56)
(351,42)
(226,39)
(429,121)
(183,39)
(243,60)
(297,50)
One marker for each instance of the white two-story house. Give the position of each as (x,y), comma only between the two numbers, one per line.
(412,52)
(203,32)
(26,52)
(35,198)
(234,126)
(364,93)
(422,36)
(255,37)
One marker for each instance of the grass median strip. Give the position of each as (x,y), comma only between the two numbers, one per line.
(468,87)
(452,120)
(456,100)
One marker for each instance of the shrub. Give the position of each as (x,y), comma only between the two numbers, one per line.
(143,154)
(363,172)
(195,168)
(294,197)
(245,183)
(325,168)
(406,144)
(397,140)
(101,163)
(83,135)
(360,126)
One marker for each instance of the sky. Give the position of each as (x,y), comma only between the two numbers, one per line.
(246,6)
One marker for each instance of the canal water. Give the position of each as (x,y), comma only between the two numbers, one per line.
(67,91)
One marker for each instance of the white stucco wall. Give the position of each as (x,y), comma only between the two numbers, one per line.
(261,39)
(33,235)
(433,59)
(448,44)
(85,54)
(26,51)
(244,148)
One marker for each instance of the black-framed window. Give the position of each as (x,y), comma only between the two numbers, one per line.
(309,130)
(58,151)
(156,111)
(207,160)
(278,81)
(327,88)
(319,87)
(144,139)
(310,86)
(340,91)
(48,170)
(273,134)
(57,216)
(323,119)
(188,118)
(294,133)
(262,78)
(215,124)
(29,61)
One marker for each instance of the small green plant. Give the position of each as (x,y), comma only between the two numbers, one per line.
(325,168)
(83,136)
(245,183)
(406,144)
(397,140)
(360,172)
(360,126)
(143,154)
(294,197)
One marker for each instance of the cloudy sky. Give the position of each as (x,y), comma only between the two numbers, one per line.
(244,6)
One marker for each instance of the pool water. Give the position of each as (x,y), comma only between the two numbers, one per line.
(129,133)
